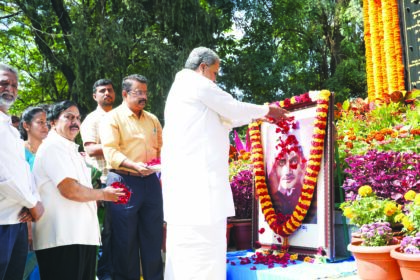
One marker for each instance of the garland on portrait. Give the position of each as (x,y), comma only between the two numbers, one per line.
(280,224)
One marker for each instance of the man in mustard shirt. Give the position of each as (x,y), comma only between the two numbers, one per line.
(132,137)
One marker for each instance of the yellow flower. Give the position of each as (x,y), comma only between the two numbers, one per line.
(365,191)
(308,259)
(410,195)
(398,218)
(293,257)
(417,199)
(407,223)
(390,208)
(348,213)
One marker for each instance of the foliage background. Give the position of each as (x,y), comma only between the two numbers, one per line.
(284,47)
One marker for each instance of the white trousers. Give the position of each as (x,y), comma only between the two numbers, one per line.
(196,252)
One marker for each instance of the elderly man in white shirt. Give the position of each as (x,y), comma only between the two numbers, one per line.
(65,238)
(196,193)
(19,201)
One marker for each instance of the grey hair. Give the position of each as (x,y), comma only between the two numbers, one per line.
(201,55)
(8,68)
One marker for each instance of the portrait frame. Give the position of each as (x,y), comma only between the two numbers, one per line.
(312,234)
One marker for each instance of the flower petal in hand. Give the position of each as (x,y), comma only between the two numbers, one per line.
(127,193)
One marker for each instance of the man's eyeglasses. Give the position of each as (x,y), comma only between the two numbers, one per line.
(138,92)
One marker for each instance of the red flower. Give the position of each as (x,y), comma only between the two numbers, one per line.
(155,161)
(127,193)
(261,230)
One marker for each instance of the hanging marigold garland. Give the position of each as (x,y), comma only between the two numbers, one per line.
(368,48)
(286,227)
(384,61)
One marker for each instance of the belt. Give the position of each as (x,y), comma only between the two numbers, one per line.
(123,172)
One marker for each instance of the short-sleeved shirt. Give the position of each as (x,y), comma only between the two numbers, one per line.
(89,130)
(126,136)
(65,222)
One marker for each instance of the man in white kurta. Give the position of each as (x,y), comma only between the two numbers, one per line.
(19,201)
(196,193)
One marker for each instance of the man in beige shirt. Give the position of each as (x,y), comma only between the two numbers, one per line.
(131,137)
(104,95)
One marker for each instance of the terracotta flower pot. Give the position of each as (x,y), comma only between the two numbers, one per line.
(409,264)
(375,263)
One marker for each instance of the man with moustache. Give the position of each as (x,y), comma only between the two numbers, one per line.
(65,238)
(131,137)
(104,95)
(19,201)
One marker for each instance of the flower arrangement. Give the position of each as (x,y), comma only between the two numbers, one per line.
(410,219)
(390,174)
(377,234)
(363,126)
(287,227)
(241,179)
(367,208)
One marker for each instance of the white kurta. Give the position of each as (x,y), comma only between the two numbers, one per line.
(17,189)
(195,152)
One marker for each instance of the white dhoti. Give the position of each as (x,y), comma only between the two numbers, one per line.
(196,252)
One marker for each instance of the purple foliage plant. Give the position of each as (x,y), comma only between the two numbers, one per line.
(390,174)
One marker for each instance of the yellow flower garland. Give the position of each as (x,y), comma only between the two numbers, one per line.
(384,61)
(288,227)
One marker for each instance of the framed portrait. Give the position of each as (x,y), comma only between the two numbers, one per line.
(285,156)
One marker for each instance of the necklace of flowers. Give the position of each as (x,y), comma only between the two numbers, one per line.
(279,225)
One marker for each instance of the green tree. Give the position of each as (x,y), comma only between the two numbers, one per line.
(62,47)
(292,46)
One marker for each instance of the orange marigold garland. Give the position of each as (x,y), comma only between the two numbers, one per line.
(368,48)
(286,227)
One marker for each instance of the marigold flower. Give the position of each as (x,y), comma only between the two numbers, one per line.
(308,260)
(379,136)
(410,195)
(293,257)
(390,208)
(349,145)
(348,213)
(365,190)
(398,218)
(352,137)
(407,223)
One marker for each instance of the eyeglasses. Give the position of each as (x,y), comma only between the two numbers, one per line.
(138,92)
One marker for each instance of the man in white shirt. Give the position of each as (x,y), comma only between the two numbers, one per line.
(19,201)
(196,192)
(65,238)
(104,95)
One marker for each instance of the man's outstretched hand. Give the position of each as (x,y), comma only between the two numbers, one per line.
(276,113)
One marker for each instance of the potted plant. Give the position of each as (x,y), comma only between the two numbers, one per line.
(408,253)
(367,208)
(241,183)
(372,253)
